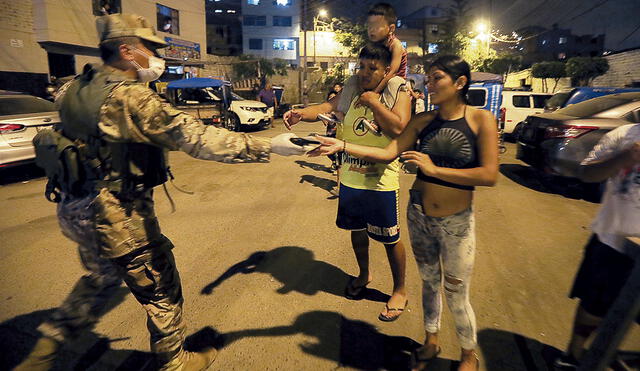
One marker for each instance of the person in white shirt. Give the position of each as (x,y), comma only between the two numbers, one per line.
(609,255)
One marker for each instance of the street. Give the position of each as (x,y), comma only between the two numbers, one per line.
(264,268)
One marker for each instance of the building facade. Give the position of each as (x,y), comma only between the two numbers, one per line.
(271,28)
(540,44)
(47,38)
(224,27)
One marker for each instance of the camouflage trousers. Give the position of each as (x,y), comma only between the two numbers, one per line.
(149,272)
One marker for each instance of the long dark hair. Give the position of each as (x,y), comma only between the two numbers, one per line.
(455,67)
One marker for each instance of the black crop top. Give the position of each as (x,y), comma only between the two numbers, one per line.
(450,144)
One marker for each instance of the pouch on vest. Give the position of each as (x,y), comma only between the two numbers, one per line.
(61,160)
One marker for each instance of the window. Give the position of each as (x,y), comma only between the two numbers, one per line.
(168,19)
(254,20)
(399,23)
(434,12)
(253,2)
(281,21)
(255,44)
(324,65)
(433,28)
(284,44)
(540,100)
(477,97)
(521,101)
(592,106)
(282,2)
(433,48)
(104,7)
(562,40)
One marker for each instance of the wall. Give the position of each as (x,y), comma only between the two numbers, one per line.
(624,70)
(19,50)
(515,80)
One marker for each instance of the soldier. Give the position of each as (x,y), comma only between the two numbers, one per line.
(122,132)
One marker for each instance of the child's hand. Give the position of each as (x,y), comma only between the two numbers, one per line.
(368,98)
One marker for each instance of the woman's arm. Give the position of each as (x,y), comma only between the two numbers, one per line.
(484,175)
(405,141)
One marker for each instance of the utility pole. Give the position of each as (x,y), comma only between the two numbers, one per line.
(305,98)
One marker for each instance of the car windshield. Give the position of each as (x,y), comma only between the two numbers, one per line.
(235,96)
(557,100)
(592,106)
(20,105)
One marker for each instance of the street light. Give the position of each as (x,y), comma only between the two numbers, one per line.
(322,13)
(483,30)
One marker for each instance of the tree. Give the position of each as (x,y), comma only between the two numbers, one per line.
(585,69)
(502,65)
(549,70)
(352,35)
(456,29)
(252,67)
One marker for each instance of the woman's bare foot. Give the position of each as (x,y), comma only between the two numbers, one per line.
(469,361)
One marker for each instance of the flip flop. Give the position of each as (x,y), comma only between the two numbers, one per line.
(352,292)
(384,318)
(417,360)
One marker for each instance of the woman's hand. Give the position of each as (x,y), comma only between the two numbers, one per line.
(421,160)
(368,98)
(328,146)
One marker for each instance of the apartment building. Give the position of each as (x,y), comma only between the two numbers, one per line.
(271,28)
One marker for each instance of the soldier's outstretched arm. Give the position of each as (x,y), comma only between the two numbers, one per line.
(147,120)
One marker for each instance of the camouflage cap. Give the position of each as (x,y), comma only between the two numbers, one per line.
(127,25)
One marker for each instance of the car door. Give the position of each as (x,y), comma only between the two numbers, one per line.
(518,109)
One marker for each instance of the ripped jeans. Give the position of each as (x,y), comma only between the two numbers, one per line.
(444,246)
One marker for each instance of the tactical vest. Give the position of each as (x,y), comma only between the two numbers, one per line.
(123,168)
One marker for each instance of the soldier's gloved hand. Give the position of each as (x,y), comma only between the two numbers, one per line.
(282,145)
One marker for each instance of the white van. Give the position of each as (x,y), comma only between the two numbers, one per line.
(517,105)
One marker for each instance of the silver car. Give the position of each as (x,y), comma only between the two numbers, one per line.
(21,117)
(557,142)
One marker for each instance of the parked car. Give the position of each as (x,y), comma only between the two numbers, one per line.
(516,106)
(212,101)
(556,143)
(21,117)
(566,97)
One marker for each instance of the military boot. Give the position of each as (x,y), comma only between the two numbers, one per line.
(41,357)
(192,361)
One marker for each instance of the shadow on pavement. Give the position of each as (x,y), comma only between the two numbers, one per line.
(314,166)
(545,183)
(504,350)
(322,183)
(297,270)
(20,173)
(361,345)
(19,335)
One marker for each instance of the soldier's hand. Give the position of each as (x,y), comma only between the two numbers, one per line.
(282,145)
(291,118)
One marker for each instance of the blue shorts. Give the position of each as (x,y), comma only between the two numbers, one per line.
(373,211)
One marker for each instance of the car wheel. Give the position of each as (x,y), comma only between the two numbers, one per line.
(515,135)
(233,122)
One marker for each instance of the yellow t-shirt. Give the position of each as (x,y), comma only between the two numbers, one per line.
(356,172)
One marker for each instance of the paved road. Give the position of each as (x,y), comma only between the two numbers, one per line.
(262,263)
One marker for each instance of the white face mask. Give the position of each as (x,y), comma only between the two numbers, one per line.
(155,70)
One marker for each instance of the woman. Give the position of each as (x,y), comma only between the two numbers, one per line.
(456,150)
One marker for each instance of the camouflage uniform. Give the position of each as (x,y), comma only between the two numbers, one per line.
(119,237)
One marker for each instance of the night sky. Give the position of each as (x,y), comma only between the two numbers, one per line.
(619,20)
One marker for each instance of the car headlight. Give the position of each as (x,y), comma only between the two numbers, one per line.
(250,109)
